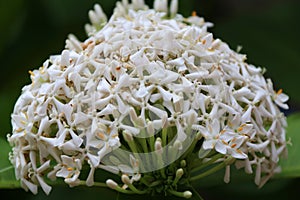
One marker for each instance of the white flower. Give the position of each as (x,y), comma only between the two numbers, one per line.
(211,133)
(34,175)
(233,147)
(70,170)
(145,80)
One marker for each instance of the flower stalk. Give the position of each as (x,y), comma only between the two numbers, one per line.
(212,170)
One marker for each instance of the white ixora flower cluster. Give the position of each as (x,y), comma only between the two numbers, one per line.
(150,96)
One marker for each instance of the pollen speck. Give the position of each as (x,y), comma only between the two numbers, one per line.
(70,169)
(239,151)
(31,73)
(224,142)
(101,136)
(279,92)
(240,129)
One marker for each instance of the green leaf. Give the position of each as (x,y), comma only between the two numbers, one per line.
(7,177)
(291,165)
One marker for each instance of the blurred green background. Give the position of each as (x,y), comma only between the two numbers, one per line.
(268,30)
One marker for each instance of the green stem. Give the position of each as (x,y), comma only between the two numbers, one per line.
(190,149)
(212,170)
(134,149)
(164,136)
(142,180)
(195,137)
(97,184)
(172,152)
(143,143)
(160,163)
(176,193)
(177,177)
(135,190)
(119,189)
(206,164)
(132,146)
(6,169)
(162,172)
(155,183)
(151,143)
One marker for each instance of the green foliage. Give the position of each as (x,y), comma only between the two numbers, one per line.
(291,165)
(7,176)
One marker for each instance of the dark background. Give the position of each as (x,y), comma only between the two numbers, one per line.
(268,30)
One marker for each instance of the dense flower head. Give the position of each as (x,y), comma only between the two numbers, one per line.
(147,90)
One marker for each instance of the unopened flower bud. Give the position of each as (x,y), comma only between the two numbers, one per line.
(183,163)
(187,194)
(111,184)
(125,179)
(158,146)
(174,7)
(127,136)
(161,5)
(179,173)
